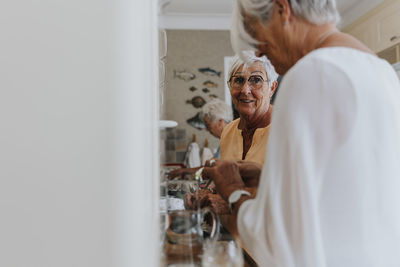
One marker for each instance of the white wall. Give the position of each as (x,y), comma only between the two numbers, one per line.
(195,21)
(78,133)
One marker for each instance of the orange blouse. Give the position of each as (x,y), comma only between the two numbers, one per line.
(231,143)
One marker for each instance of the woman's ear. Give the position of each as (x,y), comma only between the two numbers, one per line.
(279,6)
(273,88)
(221,123)
(283,8)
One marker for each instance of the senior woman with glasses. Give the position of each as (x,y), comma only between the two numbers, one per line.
(329,188)
(251,84)
(244,140)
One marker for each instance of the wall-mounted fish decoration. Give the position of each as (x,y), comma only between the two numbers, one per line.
(209,71)
(184,75)
(210,84)
(192,88)
(196,101)
(205,90)
(196,122)
(213,96)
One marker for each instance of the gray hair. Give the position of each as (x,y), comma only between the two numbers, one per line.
(316,12)
(247,58)
(216,110)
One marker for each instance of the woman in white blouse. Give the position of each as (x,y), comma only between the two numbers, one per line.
(329,192)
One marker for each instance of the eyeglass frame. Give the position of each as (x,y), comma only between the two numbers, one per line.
(230,79)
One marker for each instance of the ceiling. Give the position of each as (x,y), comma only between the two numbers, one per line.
(349,10)
(199,7)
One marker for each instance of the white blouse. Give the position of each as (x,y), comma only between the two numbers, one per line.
(329,194)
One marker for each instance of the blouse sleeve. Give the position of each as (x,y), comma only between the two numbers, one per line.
(313,115)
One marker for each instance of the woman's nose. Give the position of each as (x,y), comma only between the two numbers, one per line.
(245,88)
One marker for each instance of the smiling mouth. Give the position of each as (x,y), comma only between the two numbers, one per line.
(246,101)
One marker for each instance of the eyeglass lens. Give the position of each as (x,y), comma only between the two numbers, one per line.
(254,81)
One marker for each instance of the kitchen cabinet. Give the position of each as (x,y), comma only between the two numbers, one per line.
(379,29)
(366,33)
(391,54)
(388,26)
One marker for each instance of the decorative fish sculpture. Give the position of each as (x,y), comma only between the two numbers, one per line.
(192,88)
(196,101)
(184,75)
(196,122)
(213,96)
(205,90)
(210,84)
(209,71)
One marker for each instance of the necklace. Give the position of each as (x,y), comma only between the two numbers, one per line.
(325,36)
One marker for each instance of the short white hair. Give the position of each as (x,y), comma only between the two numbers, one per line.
(247,58)
(216,110)
(316,12)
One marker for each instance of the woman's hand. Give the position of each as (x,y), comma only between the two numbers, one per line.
(181,172)
(226,176)
(206,199)
(250,172)
(214,201)
(210,162)
(190,202)
(175,173)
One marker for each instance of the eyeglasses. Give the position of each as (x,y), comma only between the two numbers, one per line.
(254,81)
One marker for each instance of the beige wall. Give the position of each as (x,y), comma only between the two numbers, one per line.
(190,50)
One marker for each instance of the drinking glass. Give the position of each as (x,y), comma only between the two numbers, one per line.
(184,234)
(224,253)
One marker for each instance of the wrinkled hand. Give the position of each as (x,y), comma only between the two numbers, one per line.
(190,201)
(175,173)
(210,187)
(205,198)
(214,201)
(250,172)
(181,172)
(210,162)
(226,176)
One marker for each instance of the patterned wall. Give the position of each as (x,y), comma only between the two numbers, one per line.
(189,50)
